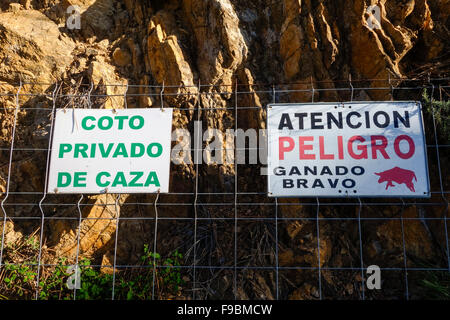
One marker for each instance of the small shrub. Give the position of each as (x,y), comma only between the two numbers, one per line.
(441,111)
(436,285)
(20,279)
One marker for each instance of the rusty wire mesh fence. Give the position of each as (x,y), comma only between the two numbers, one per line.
(230,240)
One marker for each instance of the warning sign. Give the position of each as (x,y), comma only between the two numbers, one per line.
(361,149)
(113,151)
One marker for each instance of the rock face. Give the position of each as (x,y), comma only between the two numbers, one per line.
(32,47)
(96,229)
(219,44)
(165,56)
(330,40)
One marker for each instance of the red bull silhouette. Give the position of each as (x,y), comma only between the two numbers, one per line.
(397,175)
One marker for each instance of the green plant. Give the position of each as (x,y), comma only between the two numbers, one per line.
(167,277)
(32,242)
(441,111)
(171,275)
(53,285)
(436,285)
(20,279)
(94,284)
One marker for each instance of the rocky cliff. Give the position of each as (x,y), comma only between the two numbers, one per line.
(140,45)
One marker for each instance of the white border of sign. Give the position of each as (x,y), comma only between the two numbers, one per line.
(156,129)
(348,195)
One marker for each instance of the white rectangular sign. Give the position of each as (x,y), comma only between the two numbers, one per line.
(357,149)
(112,151)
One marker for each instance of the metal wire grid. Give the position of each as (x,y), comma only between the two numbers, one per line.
(276,93)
